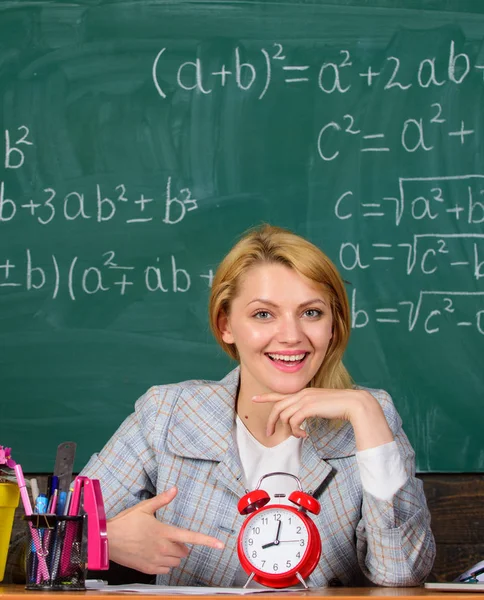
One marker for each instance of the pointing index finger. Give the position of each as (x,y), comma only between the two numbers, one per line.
(186,536)
(270,397)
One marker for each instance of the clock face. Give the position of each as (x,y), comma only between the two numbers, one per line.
(275,540)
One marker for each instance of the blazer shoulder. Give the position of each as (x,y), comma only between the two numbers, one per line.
(163,397)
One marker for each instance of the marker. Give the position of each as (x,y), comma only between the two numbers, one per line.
(41,507)
(28,511)
(23,489)
(35,488)
(41,504)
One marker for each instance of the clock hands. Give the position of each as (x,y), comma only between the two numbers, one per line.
(278,531)
(279,542)
(269,545)
(276,541)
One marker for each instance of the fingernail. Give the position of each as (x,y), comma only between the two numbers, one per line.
(255,397)
(220,545)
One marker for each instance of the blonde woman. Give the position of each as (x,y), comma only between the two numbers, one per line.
(174,471)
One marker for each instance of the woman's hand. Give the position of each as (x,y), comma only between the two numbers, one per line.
(358,407)
(138,540)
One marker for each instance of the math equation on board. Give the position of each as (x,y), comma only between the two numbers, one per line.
(431,225)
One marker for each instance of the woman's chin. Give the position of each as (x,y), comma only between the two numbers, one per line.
(288,388)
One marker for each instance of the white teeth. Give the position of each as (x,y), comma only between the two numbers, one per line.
(285,358)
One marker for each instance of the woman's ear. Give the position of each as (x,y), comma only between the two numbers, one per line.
(223,325)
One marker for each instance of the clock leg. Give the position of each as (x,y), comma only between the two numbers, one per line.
(301,580)
(250,579)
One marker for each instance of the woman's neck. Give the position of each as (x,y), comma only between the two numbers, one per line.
(255,417)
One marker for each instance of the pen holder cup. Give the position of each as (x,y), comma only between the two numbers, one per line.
(56,556)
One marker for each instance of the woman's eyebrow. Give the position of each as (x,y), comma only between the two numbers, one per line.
(314,301)
(270,303)
(262,301)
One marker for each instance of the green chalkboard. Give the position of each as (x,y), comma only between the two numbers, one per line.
(138,140)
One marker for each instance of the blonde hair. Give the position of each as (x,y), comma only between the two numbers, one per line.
(268,245)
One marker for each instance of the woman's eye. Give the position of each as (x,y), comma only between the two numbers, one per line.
(262,314)
(313,313)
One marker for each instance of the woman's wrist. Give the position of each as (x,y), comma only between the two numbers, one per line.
(369,423)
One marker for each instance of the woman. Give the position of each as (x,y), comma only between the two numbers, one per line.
(191,450)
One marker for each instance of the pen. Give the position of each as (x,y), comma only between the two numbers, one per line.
(54,485)
(51,509)
(48,541)
(70,530)
(61,502)
(49,485)
(75,497)
(68,503)
(28,511)
(472,578)
(60,534)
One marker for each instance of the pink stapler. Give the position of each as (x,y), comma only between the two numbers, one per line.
(97,537)
(87,500)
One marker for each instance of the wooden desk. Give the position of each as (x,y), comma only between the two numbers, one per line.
(18,592)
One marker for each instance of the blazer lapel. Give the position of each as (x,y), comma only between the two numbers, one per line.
(326,440)
(202,427)
(314,469)
(229,471)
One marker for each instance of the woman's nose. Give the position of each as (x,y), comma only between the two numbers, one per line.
(289,331)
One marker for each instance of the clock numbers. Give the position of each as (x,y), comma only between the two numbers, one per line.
(276,540)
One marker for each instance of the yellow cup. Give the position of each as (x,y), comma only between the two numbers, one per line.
(9,498)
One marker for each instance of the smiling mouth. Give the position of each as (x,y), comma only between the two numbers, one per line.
(293,359)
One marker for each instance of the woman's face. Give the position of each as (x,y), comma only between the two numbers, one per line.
(281,324)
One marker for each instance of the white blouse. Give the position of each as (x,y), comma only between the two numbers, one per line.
(381,468)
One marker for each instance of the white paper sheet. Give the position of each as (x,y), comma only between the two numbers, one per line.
(144,588)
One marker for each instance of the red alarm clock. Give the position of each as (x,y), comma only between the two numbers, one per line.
(278,545)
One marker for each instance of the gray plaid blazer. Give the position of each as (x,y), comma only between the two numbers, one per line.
(183,435)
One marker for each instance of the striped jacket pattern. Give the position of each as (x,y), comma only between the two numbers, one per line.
(183,435)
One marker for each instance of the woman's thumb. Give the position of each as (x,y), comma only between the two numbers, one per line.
(153,504)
